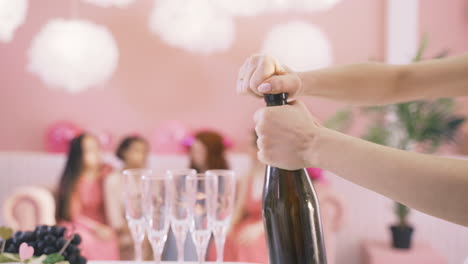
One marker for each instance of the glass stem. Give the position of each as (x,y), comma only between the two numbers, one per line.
(157,254)
(180,248)
(219,241)
(200,253)
(138,250)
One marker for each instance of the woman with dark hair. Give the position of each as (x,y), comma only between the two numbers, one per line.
(80,199)
(133,153)
(207,152)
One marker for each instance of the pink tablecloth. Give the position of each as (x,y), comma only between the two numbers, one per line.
(377,252)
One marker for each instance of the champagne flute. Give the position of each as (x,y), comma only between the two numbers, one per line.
(156,208)
(200,226)
(223,184)
(132,192)
(181,209)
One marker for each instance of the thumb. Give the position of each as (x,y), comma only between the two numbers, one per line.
(287,83)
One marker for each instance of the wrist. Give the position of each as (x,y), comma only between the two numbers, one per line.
(309,83)
(324,146)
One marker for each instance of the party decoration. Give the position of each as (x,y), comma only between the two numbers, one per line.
(300,45)
(73,55)
(59,135)
(279,5)
(110,3)
(106,139)
(302,5)
(12,15)
(315,174)
(313,5)
(195,26)
(241,7)
(25,251)
(168,137)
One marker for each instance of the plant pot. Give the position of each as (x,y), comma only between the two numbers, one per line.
(401,236)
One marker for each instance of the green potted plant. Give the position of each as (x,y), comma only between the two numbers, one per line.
(424,124)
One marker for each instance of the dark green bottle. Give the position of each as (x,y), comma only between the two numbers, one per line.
(291,212)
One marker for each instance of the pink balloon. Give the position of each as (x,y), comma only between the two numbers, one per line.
(105,139)
(59,135)
(168,137)
(315,174)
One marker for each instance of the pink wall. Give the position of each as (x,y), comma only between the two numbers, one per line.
(155,82)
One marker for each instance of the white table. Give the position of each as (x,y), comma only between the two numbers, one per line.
(152,262)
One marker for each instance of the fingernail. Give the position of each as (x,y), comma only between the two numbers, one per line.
(264,88)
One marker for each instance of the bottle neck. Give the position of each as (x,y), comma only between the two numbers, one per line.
(276,99)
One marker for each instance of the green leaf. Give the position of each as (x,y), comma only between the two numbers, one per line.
(53,258)
(377,134)
(402,211)
(6,232)
(340,121)
(422,47)
(9,257)
(37,260)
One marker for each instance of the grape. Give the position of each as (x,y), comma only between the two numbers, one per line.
(60,243)
(12,249)
(40,233)
(73,258)
(72,249)
(82,260)
(50,250)
(17,234)
(9,242)
(59,231)
(47,240)
(17,242)
(27,236)
(42,228)
(51,229)
(76,239)
(32,244)
(50,240)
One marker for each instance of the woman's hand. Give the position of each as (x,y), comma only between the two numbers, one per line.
(262,74)
(287,136)
(250,233)
(104,232)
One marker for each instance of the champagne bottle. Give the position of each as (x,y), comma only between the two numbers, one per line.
(291,212)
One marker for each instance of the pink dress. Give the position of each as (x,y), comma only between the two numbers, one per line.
(87,213)
(255,251)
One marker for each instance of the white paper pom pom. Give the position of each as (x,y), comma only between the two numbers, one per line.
(241,7)
(302,5)
(314,5)
(195,26)
(73,55)
(299,45)
(12,15)
(110,3)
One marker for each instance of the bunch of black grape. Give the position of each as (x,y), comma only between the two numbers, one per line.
(47,240)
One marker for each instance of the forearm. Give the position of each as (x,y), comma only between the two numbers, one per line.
(434,185)
(375,83)
(359,84)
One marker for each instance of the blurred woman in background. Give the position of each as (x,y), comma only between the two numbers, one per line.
(133,153)
(80,199)
(207,152)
